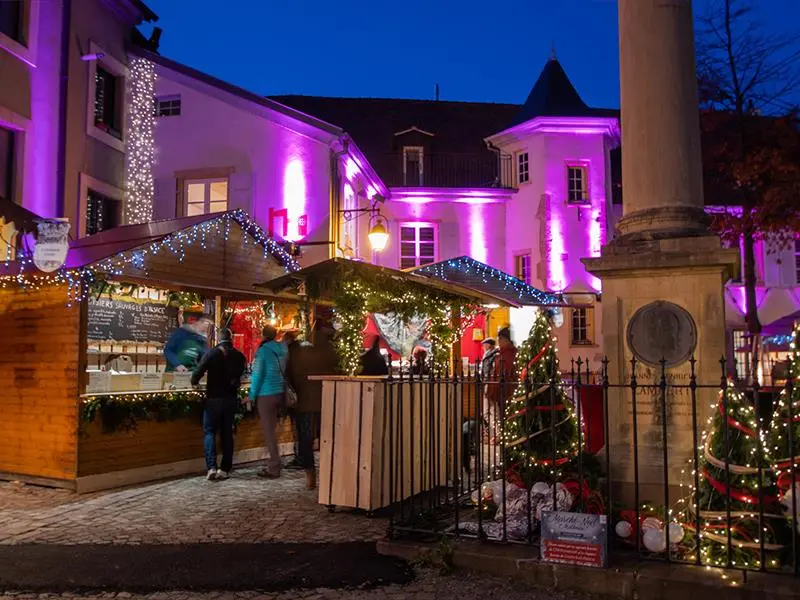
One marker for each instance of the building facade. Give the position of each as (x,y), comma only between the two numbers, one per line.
(63,132)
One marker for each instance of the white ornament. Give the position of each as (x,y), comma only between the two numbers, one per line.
(624,529)
(651,523)
(676,533)
(540,487)
(655,540)
(787,502)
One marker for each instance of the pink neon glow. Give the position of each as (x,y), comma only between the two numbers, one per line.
(294,195)
(350,169)
(595,242)
(555,258)
(477,234)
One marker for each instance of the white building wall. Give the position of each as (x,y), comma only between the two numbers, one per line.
(268,164)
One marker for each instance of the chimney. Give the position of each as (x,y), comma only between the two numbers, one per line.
(437,92)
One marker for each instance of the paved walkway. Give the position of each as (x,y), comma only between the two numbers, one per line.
(244,509)
(269,533)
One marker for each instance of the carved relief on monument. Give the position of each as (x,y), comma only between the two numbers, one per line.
(662,331)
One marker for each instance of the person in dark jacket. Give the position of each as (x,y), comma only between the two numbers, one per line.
(225,366)
(186,345)
(372,361)
(305,360)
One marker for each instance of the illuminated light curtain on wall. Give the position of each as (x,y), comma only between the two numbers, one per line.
(140,145)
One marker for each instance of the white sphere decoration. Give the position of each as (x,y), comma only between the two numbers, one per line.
(540,487)
(651,523)
(655,540)
(623,529)
(676,533)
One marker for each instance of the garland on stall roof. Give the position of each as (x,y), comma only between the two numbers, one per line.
(355,298)
(123,412)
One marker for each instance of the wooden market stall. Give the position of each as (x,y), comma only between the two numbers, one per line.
(369,423)
(88,402)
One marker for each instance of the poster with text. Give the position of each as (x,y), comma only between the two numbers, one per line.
(574,538)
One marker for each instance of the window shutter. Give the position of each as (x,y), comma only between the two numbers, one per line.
(590,324)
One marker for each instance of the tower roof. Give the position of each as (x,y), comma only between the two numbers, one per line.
(553,95)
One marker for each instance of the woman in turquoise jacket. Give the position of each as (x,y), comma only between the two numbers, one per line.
(267,388)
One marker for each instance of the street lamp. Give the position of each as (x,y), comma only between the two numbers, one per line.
(378,233)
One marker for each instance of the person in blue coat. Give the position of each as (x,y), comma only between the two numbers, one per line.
(267,389)
(186,346)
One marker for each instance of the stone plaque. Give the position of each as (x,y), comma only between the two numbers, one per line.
(662,330)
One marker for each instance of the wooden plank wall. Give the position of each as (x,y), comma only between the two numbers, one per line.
(423,422)
(153,443)
(39,353)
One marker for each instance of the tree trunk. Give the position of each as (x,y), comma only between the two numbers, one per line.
(751,314)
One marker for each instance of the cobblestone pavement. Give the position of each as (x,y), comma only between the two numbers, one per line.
(245,509)
(427,586)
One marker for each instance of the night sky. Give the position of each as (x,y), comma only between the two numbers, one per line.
(475,49)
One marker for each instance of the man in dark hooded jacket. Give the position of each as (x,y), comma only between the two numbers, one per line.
(225,366)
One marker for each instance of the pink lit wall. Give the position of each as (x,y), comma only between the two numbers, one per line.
(272,163)
(468,223)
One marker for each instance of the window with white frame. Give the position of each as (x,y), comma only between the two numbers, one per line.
(102,212)
(413,169)
(523,171)
(168,106)
(205,196)
(418,244)
(797,260)
(582,327)
(7,163)
(577,184)
(522,267)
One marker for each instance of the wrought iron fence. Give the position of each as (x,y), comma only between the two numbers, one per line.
(685,471)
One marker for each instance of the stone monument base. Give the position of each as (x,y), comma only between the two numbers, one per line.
(672,290)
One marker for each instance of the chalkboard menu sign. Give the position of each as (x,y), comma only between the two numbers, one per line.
(130,321)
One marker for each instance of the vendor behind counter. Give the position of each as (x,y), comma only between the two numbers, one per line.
(188,343)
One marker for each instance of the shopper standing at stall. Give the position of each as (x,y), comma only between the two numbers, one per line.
(187,344)
(306,360)
(225,366)
(267,390)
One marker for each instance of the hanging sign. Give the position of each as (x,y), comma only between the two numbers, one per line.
(52,244)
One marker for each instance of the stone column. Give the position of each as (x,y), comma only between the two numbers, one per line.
(661,160)
(664,273)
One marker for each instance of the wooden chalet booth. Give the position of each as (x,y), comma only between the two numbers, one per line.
(369,423)
(87,402)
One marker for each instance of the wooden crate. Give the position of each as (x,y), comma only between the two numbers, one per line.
(383,442)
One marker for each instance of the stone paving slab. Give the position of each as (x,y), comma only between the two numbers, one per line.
(146,568)
(428,585)
(243,509)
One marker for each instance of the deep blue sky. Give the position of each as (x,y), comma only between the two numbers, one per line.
(480,50)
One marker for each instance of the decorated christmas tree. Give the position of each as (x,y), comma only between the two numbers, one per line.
(783,440)
(736,485)
(540,430)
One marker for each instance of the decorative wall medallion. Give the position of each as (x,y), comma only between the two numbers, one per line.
(662,330)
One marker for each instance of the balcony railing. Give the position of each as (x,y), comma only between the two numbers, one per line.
(447,170)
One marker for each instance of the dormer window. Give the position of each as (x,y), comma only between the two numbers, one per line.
(577,184)
(413,169)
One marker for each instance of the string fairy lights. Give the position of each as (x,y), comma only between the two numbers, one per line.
(80,279)
(466,270)
(140,147)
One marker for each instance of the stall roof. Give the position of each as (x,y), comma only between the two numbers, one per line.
(476,275)
(334,268)
(222,252)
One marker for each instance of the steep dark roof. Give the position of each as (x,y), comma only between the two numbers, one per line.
(457,127)
(553,95)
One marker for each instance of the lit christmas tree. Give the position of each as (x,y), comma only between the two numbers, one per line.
(736,485)
(540,429)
